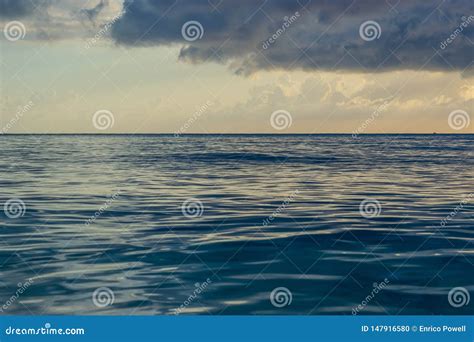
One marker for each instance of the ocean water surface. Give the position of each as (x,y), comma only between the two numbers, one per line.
(236,224)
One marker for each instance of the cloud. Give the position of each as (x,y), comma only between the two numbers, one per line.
(92,13)
(307,34)
(16,9)
(52,20)
(325,102)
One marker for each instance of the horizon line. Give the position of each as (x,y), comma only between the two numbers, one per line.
(276,134)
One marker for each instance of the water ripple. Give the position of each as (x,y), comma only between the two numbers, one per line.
(271,211)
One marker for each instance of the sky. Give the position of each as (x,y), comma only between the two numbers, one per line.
(248,66)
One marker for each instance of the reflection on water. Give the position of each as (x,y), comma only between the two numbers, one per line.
(263,212)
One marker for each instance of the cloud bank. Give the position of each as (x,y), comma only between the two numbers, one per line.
(56,20)
(16,9)
(251,35)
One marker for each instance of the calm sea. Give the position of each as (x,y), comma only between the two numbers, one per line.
(237,224)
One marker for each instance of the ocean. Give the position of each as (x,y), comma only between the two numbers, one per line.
(236,224)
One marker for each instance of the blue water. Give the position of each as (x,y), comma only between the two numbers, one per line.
(277,211)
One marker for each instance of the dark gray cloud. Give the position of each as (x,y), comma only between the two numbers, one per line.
(91,13)
(251,34)
(60,19)
(16,9)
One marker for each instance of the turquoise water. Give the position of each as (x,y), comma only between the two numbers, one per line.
(261,212)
